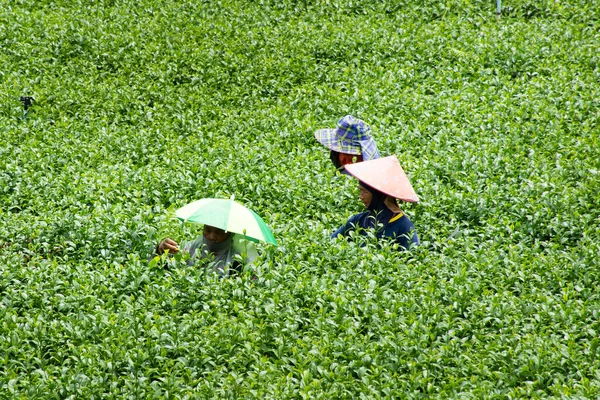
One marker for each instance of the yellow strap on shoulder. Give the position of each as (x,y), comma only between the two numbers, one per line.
(395,218)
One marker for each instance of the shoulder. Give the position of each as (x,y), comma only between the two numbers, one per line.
(401,224)
(403,231)
(245,248)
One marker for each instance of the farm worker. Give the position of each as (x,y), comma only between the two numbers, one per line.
(381,183)
(349,143)
(216,245)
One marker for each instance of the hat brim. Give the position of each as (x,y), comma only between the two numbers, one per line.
(329,139)
(385,175)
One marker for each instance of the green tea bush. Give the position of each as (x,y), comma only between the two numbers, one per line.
(141,107)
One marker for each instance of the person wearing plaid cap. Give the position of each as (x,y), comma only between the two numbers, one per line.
(349,143)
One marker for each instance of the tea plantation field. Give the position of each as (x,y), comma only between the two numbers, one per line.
(143,106)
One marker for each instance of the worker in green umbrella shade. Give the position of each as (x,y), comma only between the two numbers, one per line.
(216,245)
(229,229)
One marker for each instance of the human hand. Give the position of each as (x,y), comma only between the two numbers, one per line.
(168,245)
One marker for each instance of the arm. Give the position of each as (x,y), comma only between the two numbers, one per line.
(167,245)
(349,226)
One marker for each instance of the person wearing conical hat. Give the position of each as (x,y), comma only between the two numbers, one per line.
(382,182)
(349,143)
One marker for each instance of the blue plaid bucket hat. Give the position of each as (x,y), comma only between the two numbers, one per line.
(352,136)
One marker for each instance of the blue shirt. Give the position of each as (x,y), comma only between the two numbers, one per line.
(397,227)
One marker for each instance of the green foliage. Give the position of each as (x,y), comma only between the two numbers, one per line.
(143,106)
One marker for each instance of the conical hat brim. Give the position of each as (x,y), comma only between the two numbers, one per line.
(386,175)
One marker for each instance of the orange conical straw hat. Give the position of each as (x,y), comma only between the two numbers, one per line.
(386,175)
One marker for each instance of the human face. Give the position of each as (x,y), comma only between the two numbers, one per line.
(349,158)
(215,235)
(365,196)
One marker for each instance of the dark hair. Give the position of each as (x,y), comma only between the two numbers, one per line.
(334,156)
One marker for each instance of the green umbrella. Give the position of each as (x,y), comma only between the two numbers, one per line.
(229,216)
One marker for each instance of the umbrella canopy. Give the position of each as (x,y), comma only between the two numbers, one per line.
(227,215)
(386,175)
